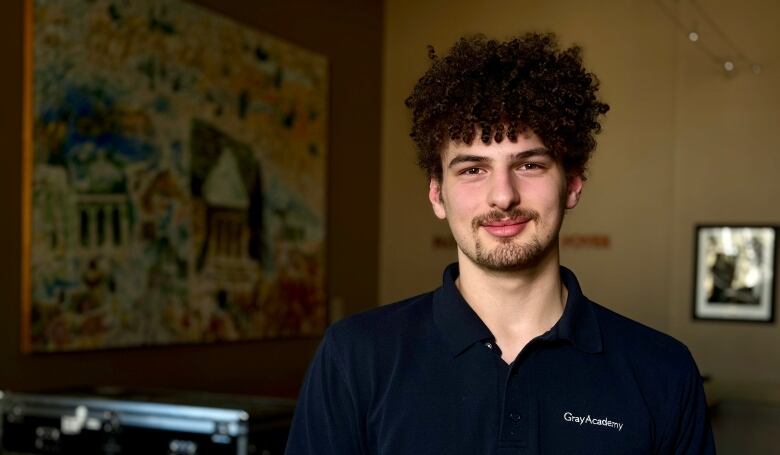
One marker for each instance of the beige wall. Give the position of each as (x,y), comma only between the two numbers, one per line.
(682,145)
(727,168)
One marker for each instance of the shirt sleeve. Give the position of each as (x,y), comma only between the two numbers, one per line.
(689,432)
(326,420)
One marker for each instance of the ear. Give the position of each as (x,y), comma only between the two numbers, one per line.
(573,191)
(435,196)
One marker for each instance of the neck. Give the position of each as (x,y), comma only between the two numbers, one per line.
(516,305)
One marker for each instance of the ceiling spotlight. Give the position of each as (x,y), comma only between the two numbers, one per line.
(693,36)
(756,68)
(728,65)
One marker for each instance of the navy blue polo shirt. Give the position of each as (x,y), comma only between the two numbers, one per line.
(423,376)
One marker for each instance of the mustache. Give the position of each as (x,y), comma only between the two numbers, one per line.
(498,215)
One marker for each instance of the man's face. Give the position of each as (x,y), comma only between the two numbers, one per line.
(504,202)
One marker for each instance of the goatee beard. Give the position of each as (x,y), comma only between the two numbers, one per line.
(509,254)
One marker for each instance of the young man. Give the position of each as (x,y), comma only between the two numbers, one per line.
(507,356)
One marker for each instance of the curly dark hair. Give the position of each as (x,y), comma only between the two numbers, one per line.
(503,89)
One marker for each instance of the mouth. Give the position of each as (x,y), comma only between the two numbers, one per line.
(506,228)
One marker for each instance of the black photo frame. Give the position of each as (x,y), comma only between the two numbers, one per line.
(734,272)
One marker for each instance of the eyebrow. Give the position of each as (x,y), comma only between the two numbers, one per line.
(525,154)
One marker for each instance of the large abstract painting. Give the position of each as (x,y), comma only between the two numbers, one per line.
(175,178)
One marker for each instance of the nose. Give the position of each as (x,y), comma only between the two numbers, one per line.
(504,191)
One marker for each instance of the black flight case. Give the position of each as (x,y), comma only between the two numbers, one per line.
(122,422)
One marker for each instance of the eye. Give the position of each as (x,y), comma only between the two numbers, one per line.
(471,171)
(531,166)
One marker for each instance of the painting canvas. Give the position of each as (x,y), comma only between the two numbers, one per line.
(735,273)
(175,178)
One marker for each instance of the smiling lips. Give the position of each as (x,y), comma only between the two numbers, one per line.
(506,228)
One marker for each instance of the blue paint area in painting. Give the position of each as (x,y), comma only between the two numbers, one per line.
(58,286)
(162,104)
(87,103)
(91,117)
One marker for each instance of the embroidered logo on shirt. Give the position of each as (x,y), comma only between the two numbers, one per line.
(580,420)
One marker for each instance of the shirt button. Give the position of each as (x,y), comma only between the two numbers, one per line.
(515,417)
(489,345)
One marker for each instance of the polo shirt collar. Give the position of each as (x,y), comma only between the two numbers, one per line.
(461,327)
(578,322)
(456,320)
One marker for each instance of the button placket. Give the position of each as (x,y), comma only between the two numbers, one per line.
(514,428)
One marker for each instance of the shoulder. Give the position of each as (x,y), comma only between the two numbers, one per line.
(655,351)
(365,347)
(382,327)
(666,373)
(657,365)
(384,319)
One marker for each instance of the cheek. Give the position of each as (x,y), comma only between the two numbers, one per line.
(461,214)
(464,200)
(549,202)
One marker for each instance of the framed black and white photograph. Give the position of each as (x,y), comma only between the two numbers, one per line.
(735,273)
